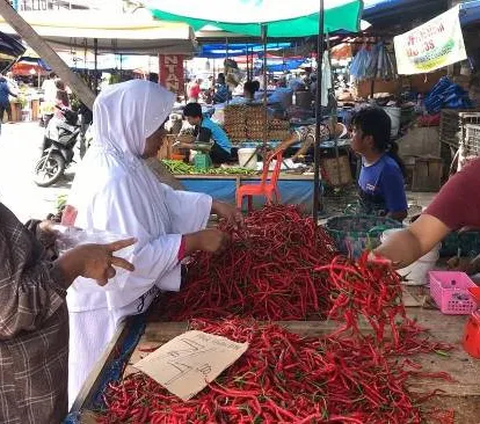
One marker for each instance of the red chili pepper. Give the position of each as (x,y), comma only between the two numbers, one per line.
(280,268)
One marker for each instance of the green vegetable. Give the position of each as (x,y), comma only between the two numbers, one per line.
(177,167)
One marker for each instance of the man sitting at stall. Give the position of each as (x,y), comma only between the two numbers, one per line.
(305,135)
(206,131)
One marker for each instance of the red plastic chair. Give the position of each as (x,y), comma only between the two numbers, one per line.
(265,188)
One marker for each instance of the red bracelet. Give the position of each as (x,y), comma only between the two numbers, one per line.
(182,250)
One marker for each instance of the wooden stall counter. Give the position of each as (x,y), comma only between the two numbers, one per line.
(462,395)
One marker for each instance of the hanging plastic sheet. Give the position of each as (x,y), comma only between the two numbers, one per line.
(373,62)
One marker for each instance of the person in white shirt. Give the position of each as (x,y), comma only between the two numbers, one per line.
(50,89)
(115,191)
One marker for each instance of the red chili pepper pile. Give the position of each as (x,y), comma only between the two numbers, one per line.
(281,378)
(278,270)
(266,273)
(373,292)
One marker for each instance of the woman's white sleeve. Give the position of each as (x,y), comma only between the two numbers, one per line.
(120,210)
(188,211)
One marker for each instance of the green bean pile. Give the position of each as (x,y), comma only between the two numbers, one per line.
(177,167)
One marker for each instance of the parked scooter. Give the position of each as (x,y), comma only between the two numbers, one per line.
(61,136)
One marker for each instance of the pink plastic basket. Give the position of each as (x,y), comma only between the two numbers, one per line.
(449,289)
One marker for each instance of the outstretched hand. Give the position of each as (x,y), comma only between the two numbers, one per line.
(94,261)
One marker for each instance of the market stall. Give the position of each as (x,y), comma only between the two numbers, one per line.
(346,384)
(461,396)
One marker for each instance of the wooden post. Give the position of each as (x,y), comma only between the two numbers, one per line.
(43,49)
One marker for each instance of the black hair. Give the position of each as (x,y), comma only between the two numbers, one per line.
(375,121)
(251,87)
(193,110)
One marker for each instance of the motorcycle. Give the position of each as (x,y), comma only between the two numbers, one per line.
(61,136)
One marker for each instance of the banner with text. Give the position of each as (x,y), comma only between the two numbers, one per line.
(171,72)
(433,45)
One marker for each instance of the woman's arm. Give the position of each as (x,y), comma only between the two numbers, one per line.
(32,290)
(407,246)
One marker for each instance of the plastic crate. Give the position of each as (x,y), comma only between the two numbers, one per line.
(469,145)
(452,125)
(449,289)
(202,161)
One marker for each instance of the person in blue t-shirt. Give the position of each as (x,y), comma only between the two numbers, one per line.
(381,183)
(205,131)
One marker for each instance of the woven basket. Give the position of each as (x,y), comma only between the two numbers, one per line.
(355,233)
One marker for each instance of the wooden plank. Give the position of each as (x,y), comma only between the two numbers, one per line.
(462,396)
(163,174)
(283,177)
(448,329)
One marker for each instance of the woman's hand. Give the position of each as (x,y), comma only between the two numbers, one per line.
(210,240)
(94,261)
(228,212)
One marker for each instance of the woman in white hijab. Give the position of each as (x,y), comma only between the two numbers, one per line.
(114,190)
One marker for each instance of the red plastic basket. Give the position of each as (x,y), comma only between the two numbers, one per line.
(449,289)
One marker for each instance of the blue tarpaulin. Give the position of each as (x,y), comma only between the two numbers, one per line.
(470,12)
(296,192)
(219,51)
(385,12)
(279,65)
(377,10)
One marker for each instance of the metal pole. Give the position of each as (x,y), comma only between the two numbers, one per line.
(318,113)
(95,52)
(225,68)
(333,114)
(265,84)
(246,55)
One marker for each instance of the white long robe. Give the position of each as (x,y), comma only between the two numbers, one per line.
(114,190)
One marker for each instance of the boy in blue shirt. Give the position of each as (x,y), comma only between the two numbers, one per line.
(206,130)
(381,183)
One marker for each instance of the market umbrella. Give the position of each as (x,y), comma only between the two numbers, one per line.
(297,18)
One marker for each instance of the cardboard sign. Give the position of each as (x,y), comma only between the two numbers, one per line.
(186,364)
(433,45)
(171,72)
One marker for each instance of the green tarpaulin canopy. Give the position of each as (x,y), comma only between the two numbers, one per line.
(292,18)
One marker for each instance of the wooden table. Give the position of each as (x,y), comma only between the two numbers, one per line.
(463,395)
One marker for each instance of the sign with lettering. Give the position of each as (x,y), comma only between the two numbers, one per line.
(186,364)
(171,72)
(433,45)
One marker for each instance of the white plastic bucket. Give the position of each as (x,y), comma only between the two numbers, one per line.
(416,274)
(244,155)
(394,113)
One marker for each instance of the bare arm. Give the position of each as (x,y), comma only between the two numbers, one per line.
(405,247)
(285,144)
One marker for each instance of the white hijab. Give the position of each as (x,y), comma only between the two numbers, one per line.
(115,191)
(126,114)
